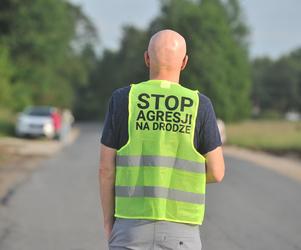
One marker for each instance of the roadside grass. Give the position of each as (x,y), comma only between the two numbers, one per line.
(276,136)
(7,123)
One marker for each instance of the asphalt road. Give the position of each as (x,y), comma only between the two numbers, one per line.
(58,207)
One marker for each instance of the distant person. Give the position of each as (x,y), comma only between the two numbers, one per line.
(57,121)
(160,146)
(66,124)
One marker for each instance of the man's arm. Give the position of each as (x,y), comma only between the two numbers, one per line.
(107,184)
(215,166)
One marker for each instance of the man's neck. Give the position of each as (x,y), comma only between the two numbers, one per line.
(167,76)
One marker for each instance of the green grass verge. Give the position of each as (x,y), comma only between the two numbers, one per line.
(277,136)
(7,123)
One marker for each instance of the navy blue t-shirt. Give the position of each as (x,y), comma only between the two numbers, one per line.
(115,130)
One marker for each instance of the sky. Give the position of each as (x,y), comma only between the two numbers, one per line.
(275,25)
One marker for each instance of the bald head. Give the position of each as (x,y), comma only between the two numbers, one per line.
(166,51)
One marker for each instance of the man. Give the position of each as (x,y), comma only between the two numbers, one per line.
(160,145)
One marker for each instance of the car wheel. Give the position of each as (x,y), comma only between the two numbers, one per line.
(19,134)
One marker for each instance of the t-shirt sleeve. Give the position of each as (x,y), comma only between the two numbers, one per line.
(115,129)
(208,134)
(108,133)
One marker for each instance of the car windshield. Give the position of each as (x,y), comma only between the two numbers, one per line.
(39,111)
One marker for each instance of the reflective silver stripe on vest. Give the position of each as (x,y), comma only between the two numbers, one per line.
(161,161)
(159,192)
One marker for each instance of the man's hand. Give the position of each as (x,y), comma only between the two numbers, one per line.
(215,166)
(107,186)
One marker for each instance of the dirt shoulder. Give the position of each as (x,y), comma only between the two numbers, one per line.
(284,165)
(19,157)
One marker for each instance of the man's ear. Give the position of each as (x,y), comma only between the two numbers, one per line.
(184,63)
(146,59)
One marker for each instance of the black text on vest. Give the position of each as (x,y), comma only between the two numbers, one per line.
(164,113)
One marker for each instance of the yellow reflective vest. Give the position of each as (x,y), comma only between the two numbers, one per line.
(159,173)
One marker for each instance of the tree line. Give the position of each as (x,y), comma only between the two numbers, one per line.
(217,43)
(277,83)
(47,56)
(44,45)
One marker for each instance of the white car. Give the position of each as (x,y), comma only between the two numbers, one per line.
(36,121)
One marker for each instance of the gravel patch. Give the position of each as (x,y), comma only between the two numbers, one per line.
(19,157)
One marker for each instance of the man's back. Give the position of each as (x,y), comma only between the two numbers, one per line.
(156,139)
(115,129)
(115,135)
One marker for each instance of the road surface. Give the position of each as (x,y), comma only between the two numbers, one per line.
(58,207)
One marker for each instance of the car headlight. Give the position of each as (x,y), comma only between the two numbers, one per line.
(48,128)
(21,122)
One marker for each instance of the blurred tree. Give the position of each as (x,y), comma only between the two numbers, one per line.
(295,56)
(5,77)
(113,70)
(45,40)
(216,39)
(87,101)
(236,19)
(260,68)
(217,46)
(277,84)
(39,40)
(282,86)
(133,45)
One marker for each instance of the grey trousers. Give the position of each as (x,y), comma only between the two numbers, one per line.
(154,235)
